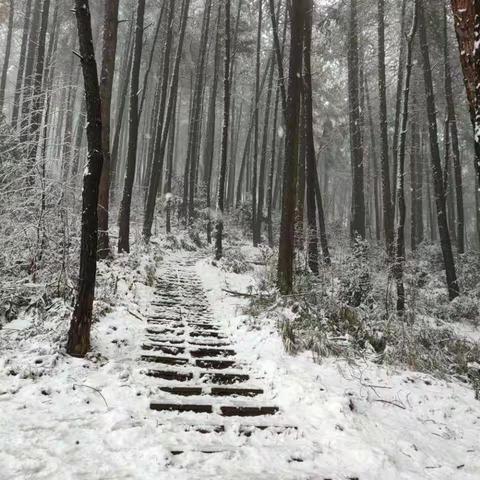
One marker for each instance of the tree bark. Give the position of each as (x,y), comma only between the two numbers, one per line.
(438,179)
(125,207)
(6,58)
(159,156)
(79,334)
(402,208)
(358,195)
(224,150)
(287,226)
(388,212)
(21,64)
(110,30)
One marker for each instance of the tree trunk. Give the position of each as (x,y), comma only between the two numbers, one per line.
(256,240)
(159,156)
(196,119)
(79,335)
(225,128)
(388,212)
(457,167)
(125,207)
(358,195)
(402,209)
(438,179)
(6,58)
(287,226)
(210,134)
(310,157)
(109,51)
(122,97)
(38,99)
(263,159)
(21,64)
(279,55)
(466,15)
(398,105)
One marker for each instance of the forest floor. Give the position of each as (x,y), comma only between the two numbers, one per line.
(66,418)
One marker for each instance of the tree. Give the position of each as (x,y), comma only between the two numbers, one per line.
(256,239)
(109,51)
(126,204)
(402,208)
(224,149)
(388,212)
(6,58)
(287,226)
(158,160)
(466,14)
(79,334)
(21,63)
(210,133)
(312,176)
(356,145)
(196,120)
(438,174)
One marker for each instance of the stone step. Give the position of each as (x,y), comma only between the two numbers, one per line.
(236,411)
(181,407)
(210,333)
(212,352)
(165,360)
(171,350)
(165,331)
(209,344)
(240,392)
(248,430)
(214,364)
(183,391)
(165,341)
(170,375)
(224,378)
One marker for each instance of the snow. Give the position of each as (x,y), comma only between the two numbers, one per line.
(66,418)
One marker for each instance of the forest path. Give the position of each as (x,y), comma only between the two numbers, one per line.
(207,402)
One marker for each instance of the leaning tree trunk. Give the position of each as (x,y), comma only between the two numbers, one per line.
(438,179)
(466,15)
(402,208)
(125,207)
(79,334)
(287,226)
(110,30)
(224,151)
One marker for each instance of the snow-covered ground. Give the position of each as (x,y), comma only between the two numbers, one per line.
(65,418)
